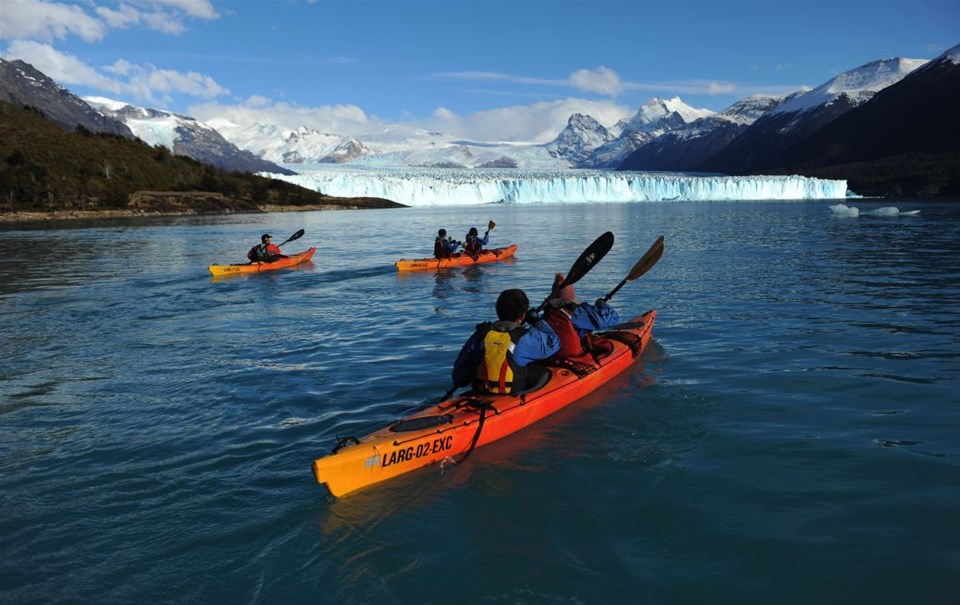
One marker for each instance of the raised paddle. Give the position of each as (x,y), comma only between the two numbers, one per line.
(646,262)
(590,257)
(491,225)
(296,235)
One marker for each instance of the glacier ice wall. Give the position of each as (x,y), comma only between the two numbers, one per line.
(426,187)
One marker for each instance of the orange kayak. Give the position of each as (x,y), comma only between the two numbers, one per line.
(452,428)
(256,267)
(459,259)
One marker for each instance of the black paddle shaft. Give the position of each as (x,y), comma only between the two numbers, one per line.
(590,257)
(296,235)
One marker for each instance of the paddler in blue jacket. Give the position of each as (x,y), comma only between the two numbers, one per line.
(497,357)
(443,246)
(575,323)
(473,244)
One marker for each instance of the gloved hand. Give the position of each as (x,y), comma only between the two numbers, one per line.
(600,302)
(532,318)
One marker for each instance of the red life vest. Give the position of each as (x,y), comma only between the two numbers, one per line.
(561,320)
(473,245)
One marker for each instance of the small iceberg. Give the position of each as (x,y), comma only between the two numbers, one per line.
(844,210)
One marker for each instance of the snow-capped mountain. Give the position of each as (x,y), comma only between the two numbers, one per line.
(22,84)
(916,116)
(581,137)
(651,121)
(685,148)
(764,144)
(584,143)
(184,135)
(858,85)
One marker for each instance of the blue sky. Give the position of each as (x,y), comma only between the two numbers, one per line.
(507,70)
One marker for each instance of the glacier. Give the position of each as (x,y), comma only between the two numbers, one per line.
(453,187)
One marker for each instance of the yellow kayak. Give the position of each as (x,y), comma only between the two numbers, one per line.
(457,260)
(256,267)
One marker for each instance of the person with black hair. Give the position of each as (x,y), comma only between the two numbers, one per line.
(473,244)
(497,357)
(443,246)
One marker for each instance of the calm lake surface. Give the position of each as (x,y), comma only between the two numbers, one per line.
(792,434)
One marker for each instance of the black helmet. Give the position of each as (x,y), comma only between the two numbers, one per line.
(442,233)
(473,231)
(265,237)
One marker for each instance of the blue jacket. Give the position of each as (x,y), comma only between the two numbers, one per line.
(539,342)
(449,246)
(594,317)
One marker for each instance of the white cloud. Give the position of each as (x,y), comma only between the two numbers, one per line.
(200,9)
(44,21)
(65,69)
(125,16)
(145,83)
(47,21)
(341,119)
(539,122)
(601,80)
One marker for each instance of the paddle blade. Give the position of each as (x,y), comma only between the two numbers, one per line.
(590,257)
(648,260)
(296,235)
(491,225)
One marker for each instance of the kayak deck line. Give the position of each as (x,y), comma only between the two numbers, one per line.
(292,260)
(451,429)
(490,255)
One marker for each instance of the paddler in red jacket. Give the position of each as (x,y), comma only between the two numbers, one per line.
(575,322)
(473,244)
(265,252)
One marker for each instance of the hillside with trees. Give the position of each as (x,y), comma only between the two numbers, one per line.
(44,168)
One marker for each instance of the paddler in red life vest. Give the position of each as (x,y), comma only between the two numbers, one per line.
(473,244)
(265,252)
(575,322)
(497,357)
(443,246)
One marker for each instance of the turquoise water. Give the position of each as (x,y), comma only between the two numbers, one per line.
(790,436)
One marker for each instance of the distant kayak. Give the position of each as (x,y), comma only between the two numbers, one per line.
(491,255)
(453,427)
(256,267)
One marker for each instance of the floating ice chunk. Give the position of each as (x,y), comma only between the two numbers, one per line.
(890,211)
(885,211)
(844,210)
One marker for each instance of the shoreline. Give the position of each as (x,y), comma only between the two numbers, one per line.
(66,215)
